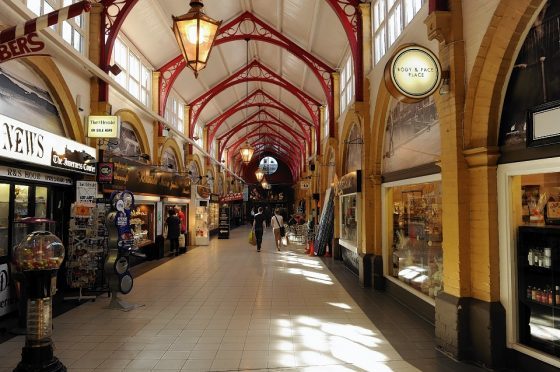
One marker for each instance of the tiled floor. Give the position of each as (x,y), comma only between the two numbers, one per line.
(221,308)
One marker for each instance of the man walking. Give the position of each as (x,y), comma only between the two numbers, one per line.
(259,224)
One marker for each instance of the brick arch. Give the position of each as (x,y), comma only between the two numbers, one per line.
(45,67)
(331,148)
(174,146)
(138,128)
(496,56)
(350,120)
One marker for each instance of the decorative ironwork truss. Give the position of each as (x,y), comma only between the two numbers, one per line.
(258,119)
(255,71)
(258,30)
(112,18)
(270,132)
(258,99)
(350,16)
(264,143)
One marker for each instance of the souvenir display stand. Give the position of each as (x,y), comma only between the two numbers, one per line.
(87,248)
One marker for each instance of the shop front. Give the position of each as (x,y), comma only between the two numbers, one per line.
(349,219)
(529,198)
(155,191)
(412,239)
(39,167)
(235,207)
(201,203)
(214,214)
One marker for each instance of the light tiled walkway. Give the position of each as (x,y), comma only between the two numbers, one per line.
(225,308)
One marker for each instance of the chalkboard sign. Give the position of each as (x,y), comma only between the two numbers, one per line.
(223,227)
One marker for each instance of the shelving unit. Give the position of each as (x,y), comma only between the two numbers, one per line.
(539,316)
(141,221)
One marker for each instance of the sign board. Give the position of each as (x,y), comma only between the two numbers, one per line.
(305,185)
(105,172)
(8,301)
(542,124)
(231,197)
(24,174)
(214,198)
(412,74)
(351,182)
(22,46)
(23,142)
(103,126)
(86,192)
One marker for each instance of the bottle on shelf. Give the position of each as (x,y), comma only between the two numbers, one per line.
(557,295)
(530,292)
(550,302)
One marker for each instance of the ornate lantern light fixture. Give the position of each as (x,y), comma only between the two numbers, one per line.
(195,33)
(246,150)
(264,183)
(259,174)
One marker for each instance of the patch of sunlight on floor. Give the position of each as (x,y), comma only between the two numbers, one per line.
(340,305)
(309,321)
(352,333)
(358,355)
(321,281)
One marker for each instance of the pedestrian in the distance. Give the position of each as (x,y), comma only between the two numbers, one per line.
(173,224)
(259,224)
(276,222)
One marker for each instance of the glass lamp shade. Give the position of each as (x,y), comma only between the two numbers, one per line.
(40,250)
(195,33)
(259,174)
(264,183)
(246,152)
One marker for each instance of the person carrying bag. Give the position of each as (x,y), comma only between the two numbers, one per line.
(277,223)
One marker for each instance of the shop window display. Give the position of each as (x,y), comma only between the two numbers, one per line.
(142,222)
(417,257)
(349,231)
(213,216)
(536,216)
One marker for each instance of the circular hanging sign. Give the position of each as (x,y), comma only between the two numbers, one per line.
(413,73)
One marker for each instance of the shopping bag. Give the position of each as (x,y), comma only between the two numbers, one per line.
(182,241)
(282,231)
(252,239)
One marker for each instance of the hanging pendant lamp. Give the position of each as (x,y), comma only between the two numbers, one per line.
(195,33)
(246,151)
(259,174)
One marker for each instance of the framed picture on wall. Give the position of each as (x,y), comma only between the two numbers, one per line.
(543,124)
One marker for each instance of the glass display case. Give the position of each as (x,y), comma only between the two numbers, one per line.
(142,223)
(349,215)
(201,224)
(213,216)
(416,236)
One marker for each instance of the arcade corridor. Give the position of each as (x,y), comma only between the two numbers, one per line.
(226,308)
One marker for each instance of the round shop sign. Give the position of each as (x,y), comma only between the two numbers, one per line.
(412,74)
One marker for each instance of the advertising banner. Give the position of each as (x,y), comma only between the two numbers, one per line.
(86,192)
(8,302)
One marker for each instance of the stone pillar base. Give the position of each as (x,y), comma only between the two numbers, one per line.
(471,329)
(337,252)
(364,269)
(378,278)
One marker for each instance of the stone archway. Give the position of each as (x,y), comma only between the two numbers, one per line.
(171,144)
(138,128)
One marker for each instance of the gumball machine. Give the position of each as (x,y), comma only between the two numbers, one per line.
(38,258)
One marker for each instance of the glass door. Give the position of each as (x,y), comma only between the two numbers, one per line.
(4,218)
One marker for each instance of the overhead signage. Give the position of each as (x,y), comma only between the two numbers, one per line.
(105,172)
(23,46)
(304,185)
(103,126)
(23,142)
(8,302)
(145,179)
(203,192)
(351,182)
(86,192)
(23,174)
(231,197)
(412,74)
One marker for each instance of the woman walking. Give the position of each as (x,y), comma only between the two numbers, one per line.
(277,221)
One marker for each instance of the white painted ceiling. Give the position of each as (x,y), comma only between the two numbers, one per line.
(311,24)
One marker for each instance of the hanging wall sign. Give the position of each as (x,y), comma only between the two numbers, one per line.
(351,182)
(23,142)
(305,185)
(103,127)
(105,172)
(412,74)
(8,301)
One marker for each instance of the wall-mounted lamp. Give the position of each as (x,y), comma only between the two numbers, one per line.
(445,86)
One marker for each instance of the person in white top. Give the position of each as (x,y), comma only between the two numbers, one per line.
(276,222)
